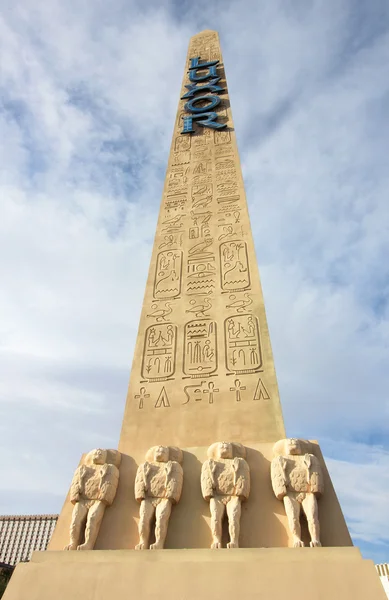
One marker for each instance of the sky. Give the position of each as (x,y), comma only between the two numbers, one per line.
(88,94)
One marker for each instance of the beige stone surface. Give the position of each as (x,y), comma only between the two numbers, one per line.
(263,521)
(158,485)
(225,484)
(260,574)
(93,488)
(297,479)
(203,366)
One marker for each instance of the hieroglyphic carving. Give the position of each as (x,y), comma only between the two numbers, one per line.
(199,307)
(170,240)
(182,143)
(227,188)
(238,388)
(142,396)
(158,485)
(230,230)
(168,273)
(223,150)
(173,225)
(239,303)
(297,479)
(222,137)
(234,266)
(202,172)
(160,314)
(162,400)
(202,139)
(201,268)
(175,204)
(261,392)
(200,227)
(225,483)
(177,180)
(225,169)
(93,488)
(194,392)
(202,153)
(181,158)
(159,354)
(200,348)
(243,346)
(201,195)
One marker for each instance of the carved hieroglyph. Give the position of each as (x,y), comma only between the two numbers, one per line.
(203,328)
(297,479)
(158,486)
(225,483)
(93,488)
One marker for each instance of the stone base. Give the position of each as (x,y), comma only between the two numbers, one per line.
(260,574)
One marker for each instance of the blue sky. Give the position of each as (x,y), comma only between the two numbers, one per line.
(88,98)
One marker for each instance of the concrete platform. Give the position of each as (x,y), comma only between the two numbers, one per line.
(260,574)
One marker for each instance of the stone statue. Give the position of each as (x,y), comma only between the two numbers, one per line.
(158,485)
(297,479)
(225,483)
(93,488)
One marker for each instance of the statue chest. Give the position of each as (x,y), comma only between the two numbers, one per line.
(156,480)
(297,475)
(91,483)
(224,478)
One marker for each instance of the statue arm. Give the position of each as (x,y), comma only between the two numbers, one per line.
(278,477)
(76,485)
(140,486)
(175,481)
(316,476)
(206,482)
(242,488)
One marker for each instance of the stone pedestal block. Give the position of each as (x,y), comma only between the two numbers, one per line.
(252,574)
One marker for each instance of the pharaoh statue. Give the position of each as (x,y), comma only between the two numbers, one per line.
(297,479)
(225,483)
(93,488)
(158,485)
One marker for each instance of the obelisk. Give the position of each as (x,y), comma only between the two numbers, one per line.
(203,373)
(203,364)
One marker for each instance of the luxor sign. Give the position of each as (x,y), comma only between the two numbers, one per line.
(200,105)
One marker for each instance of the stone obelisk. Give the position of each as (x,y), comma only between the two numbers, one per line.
(203,364)
(202,373)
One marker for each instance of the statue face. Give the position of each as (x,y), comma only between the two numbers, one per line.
(225,450)
(98,456)
(293,446)
(161,454)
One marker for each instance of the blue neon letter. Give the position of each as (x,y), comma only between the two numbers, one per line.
(210,87)
(206,119)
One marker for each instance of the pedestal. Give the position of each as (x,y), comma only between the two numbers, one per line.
(252,574)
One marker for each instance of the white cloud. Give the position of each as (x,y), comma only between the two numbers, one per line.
(90,92)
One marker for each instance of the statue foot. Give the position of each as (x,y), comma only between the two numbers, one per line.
(141,546)
(71,547)
(84,547)
(315,544)
(216,545)
(232,545)
(298,543)
(156,546)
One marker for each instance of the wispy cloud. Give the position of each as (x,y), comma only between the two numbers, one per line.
(88,99)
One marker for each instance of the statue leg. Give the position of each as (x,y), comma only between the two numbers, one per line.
(292,509)
(217,512)
(311,512)
(233,514)
(93,522)
(146,513)
(78,519)
(162,515)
